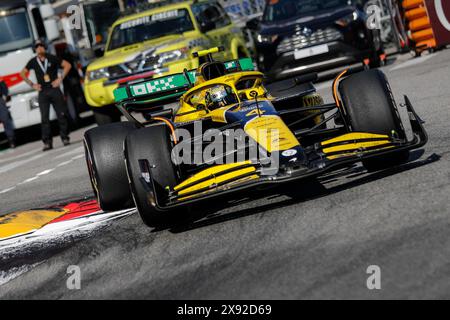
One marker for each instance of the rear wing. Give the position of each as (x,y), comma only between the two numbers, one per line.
(169,88)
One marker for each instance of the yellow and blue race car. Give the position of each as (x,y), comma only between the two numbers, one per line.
(220,129)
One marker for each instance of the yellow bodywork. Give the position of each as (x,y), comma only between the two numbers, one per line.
(217,176)
(271,133)
(347,145)
(268,130)
(99,94)
(350,144)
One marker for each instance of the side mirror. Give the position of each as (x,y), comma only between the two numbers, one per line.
(252,24)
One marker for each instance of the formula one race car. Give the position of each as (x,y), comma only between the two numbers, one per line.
(219,129)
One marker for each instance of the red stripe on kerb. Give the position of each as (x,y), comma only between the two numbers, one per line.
(78,209)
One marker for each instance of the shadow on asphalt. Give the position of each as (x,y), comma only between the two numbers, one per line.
(298,192)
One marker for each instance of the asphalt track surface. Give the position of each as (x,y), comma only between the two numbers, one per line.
(303,241)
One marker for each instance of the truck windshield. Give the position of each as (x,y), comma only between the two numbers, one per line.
(99,17)
(15,31)
(278,10)
(149,27)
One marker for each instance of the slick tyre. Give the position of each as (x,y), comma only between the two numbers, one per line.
(104,157)
(153,144)
(370,107)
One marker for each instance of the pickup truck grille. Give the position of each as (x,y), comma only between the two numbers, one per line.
(129,68)
(300,41)
(151,63)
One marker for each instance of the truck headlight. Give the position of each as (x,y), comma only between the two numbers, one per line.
(174,55)
(97,74)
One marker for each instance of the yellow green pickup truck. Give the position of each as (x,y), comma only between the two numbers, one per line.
(157,42)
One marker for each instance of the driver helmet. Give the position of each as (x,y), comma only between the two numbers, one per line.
(219,96)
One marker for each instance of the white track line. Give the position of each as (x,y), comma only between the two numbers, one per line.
(78,157)
(42,173)
(70,153)
(7,190)
(64,163)
(28,180)
(20,155)
(16,164)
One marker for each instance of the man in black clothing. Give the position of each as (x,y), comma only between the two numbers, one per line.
(46,68)
(5,117)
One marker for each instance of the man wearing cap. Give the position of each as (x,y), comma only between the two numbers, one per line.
(48,84)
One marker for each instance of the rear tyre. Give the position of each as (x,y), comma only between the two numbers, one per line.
(370,107)
(104,157)
(153,144)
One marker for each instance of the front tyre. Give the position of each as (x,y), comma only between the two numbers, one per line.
(154,145)
(371,108)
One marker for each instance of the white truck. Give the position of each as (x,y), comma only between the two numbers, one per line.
(21,23)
